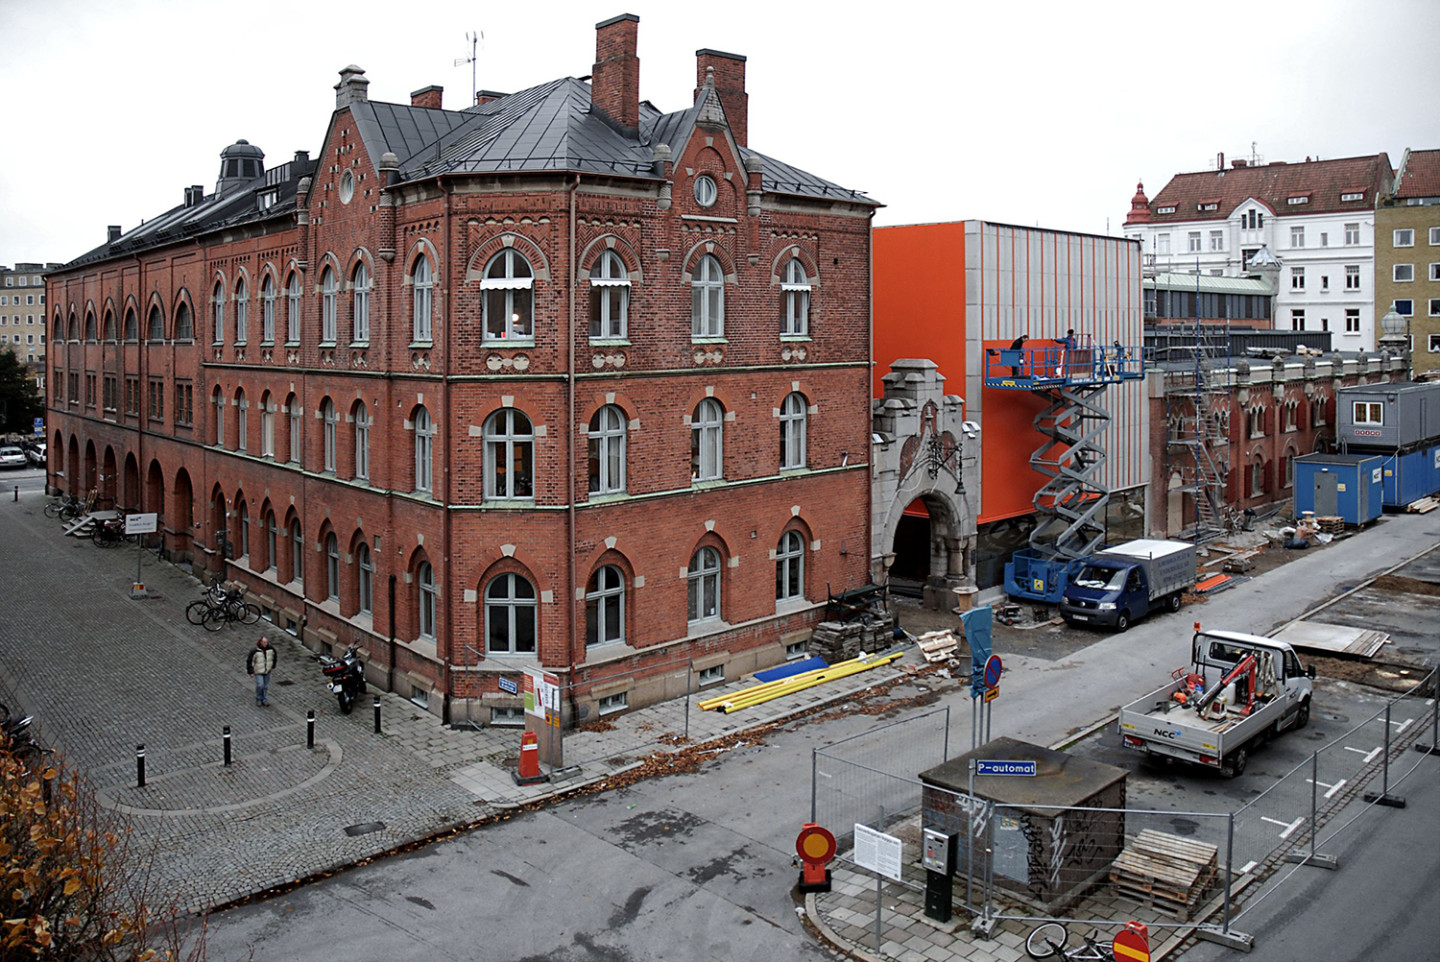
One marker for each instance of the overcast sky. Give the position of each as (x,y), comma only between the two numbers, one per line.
(1029,113)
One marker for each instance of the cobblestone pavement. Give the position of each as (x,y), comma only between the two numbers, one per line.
(104,673)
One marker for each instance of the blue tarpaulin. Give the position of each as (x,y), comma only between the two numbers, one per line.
(791,668)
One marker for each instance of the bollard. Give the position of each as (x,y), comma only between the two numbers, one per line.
(226,737)
(140,766)
(377,714)
(17,492)
(310,728)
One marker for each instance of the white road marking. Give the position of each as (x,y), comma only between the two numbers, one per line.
(1332,789)
(1403,725)
(1244,869)
(1370,756)
(1289,827)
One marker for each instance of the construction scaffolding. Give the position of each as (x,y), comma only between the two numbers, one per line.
(1197,416)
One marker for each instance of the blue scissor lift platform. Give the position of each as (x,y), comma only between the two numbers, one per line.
(1070,505)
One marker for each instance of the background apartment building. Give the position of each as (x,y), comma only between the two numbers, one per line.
(1407,261)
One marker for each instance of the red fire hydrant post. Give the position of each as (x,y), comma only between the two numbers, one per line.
(529,770)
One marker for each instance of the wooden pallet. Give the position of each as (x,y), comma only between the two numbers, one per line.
(938,646)
(1330,524)
(1166,872)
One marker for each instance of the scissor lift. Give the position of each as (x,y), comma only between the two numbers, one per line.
(1070,505)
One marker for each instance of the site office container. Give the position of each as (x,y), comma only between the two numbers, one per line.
(1344,485)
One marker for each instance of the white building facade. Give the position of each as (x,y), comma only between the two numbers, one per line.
(1316,218)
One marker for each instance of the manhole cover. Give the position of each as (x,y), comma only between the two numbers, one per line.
(287,681)
(364,828)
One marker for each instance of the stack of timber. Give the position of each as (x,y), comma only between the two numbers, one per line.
(838,641)
(938,646)
(1423,505)
(1165,872)
(1330,524)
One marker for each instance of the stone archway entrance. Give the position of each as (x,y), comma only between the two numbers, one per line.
(924,463)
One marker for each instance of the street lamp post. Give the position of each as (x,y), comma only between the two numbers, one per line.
(1397,328)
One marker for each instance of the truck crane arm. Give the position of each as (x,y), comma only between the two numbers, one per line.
(1246,665)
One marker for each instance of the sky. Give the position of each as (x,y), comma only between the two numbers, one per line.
(1031,113)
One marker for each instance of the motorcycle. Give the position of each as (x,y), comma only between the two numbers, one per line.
(345,676)
(15,736)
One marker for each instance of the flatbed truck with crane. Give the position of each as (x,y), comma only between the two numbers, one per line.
(1238,691)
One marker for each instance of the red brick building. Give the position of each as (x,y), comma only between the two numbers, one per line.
(552,380)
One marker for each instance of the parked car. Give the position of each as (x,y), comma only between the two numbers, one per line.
(11,457)
(36,454)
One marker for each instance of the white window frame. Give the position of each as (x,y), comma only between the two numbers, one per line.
(1352,277)
(1162,244)
(1352,235)
(1352,320)
(267,426)
(507,288)
(272,543)
(704,586)
(607,436)
(707,441)
(329,291)
(509,463)
(1297,278)
(1434,344)
(292,308)
(360,318)
(329,418)
(364,580)
(297,552)
(267,310)
(242,421)
(424,450)
(1402,273)
(1217,240)
(790,567)
(425,601)
(217,312)
(1403,237)
(609,298)
(794,411)
(1192,242)
(362,442)
(605,597)
(707,298)
(297,430)
(422,302)
(1297,236)
(242,312)
(332,568)
(1368,413)
(505,597)
(795,288)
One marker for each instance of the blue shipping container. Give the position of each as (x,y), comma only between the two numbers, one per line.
(1410,477)
(1349,486)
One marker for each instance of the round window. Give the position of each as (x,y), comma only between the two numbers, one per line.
(705,192)
(347,187)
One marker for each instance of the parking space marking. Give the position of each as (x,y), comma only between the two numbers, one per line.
(1402,725)
(1245,869)
(1289,827)
(1330,789)
(1369,756)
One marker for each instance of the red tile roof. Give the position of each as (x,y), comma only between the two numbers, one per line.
(1419,175)
(1323,181)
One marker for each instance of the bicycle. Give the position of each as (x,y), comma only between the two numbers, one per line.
(1047,941)
(220,607)
(66,508)
(107,534)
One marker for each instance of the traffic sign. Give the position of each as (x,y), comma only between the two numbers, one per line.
(992,693)
(993,668)
(1130,946)
(815,844)
(993,766)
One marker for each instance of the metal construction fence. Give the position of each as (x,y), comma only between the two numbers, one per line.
(1075,862)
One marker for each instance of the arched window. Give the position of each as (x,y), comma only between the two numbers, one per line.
(59,334)
(790,567)
(242,421)
(292,308)
(267,425)
(91,332)
(327,306)
(704,584)
(297,552)
(423,301)
(109,325)
(157,324)
(242,312)
(424,450)
(425,597)
(795,289)
(184,323)
(365,582)
(218,399)
(360,287)
(508,295)
(509,615)
(73,332)
(292,406)
(243,523)
(707,441)
(509,455)
(272,543)
(707,299)
(332,567)
(792,431)
(132,329)
(328,419)
(609,297)
(607,450)
(267,309)
(217,312)
(605,607)
(362,441)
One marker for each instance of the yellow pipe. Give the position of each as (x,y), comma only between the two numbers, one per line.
(718,700)
(759,694)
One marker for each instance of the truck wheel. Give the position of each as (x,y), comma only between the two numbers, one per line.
(1302,717)
(1174,603)
(1239,758)
(1122,621)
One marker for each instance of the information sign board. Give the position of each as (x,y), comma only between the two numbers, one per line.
(990,766)
(877,851)
(142,523)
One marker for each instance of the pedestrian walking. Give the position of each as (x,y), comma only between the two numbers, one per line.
(259,664)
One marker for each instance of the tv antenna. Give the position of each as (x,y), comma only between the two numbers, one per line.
(474,36)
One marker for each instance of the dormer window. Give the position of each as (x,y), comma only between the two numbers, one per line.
(1298,200)
(1352,195)
(1165,210)
(1210,205)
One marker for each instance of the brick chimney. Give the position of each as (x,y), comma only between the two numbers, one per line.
(485,96)
(615,79)
(351,88)
(427,97)
(729,85)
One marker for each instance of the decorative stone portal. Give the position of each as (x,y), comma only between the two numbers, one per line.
(923,450)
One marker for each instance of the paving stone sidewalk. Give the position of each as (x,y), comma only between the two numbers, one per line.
(104,673)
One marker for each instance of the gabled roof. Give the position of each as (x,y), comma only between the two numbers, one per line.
(1323,182)
(1419,175)
(552,128)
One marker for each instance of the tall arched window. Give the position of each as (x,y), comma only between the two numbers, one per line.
(132,329)
(365,581)
(422,301)
(609,297)
(790,566)
(704,585)
(184,323)
(156,324)
(267,425)
(327,306)
(795,289)
(509,615)
(218,400)
(425,597)
(424,450)
(328,419)
(360,287)
(242,522)
(707,441)
(272,543)
(362,441)
(242,421)
(292,308)
(605,607)
(292,407)
(242,312)
(217,312)
(91,332)
(267,309)
(792,431)
(332,567)
(508,296)
(297,552)
(607,450)
(707,298)
(509,455)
